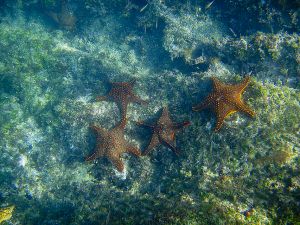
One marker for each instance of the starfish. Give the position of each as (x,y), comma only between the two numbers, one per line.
(111,144)
(65,18)
(226,100)
(122,94)
(163,132)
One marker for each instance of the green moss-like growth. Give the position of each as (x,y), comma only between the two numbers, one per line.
(190,35)
(252,150)
(275,56)
(248,173)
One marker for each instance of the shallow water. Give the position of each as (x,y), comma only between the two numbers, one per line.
(57,57)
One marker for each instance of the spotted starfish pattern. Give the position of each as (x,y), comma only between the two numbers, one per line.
(226,100)
(122,94)
(111,144)
(163,132)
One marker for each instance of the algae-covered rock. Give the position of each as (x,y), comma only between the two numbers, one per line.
(249,151)
(248,173)
(271,56)
(190,33)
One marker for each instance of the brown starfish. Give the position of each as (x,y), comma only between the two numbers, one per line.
(163,132)
(111,144)
(122,94)
(226,100)
(65,18)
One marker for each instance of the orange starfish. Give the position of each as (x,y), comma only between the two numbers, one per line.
(111,144)
(122,94)
(226,100)
(163,132)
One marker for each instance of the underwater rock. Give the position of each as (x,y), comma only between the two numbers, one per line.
(48,80)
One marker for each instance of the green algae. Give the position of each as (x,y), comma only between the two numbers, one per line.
(269,136)
(274,56)
(49,104)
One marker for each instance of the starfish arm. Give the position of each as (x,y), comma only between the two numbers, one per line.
(123,108)
(216,83)
(153,143)
(242,86)
(209,100)
(165,112)
(171,146)
(63,6)
(131,83)
(122,124)
(118,163)
(222,111)
(133,150)
(219,123)
(101,98)
(165,117)
(244,108)
(178,126)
